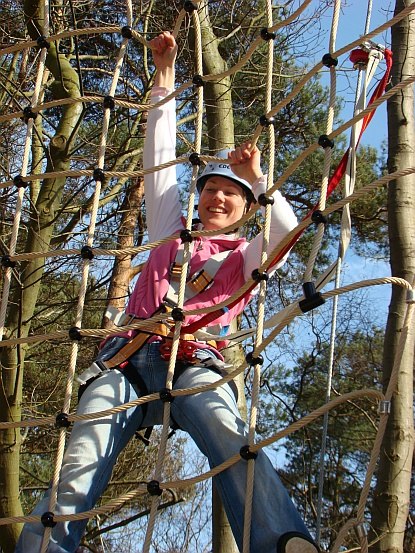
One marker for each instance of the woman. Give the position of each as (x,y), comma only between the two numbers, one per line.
(211,418)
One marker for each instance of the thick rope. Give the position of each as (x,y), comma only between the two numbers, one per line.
(21,190)
(256,376)
(181,292)
(83,287)
(345,233)
(266,262)
(179,484)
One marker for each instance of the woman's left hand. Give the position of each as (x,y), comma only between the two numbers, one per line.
(245,162)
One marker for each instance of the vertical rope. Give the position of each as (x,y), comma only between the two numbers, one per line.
(181,292)
(21,189)
(327,151)
(350,177)
(407,327)
(319,236)
(261,296)
(83,285)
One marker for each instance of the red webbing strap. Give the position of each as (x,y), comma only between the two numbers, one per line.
(332,185)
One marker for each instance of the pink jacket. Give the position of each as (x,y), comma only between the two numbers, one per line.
(153,283)
(164,217)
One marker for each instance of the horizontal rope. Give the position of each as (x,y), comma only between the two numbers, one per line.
(178,484)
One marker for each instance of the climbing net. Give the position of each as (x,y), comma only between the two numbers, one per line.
(367,57)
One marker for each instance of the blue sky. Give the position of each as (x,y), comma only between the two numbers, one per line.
(352,24)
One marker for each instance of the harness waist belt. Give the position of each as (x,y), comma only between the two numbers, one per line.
(140,339)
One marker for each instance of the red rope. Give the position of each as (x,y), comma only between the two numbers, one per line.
(332,185)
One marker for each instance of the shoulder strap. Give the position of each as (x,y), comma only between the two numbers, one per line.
(199,282)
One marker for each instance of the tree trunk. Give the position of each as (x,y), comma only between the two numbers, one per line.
(222,536)
(25,297)
(392,493)
(218,95)
(121,273)
(219,116)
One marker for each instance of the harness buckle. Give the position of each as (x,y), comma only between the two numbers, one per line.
(186,350)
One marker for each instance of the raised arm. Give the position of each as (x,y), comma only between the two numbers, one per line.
(163,207)
(246,163)
(164,50)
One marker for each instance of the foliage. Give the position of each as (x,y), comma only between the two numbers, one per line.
(92,57)
(294,392)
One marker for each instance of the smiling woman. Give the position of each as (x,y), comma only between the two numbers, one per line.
(134,364)
(225,189)
(221,203)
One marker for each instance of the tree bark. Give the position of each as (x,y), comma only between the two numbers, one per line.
(220,125)
(392,493)
(121,273)
(24,297)
(218,95)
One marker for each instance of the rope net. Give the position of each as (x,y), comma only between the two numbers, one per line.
(82,239)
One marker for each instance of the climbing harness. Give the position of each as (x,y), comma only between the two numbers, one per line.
(163,330)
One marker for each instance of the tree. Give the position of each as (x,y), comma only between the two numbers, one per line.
(392,493)
(39,234)
(68,137)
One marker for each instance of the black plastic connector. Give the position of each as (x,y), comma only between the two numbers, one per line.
(48,519)
(198,80)
(328,61)
(266,121)
(28,114)
(252,361)
(177,314)
(74,334)
(189,7)
(109,102)
(42,42)
(62,420)
(247,454)
(325,142)
(126,32)
(153,488)
(259,276)
(87,253)
(266,35)
(312,298)
(98,175)
(19,182)
(186,236)
(317,217)
(265,199)
(7,263)
(165,395)
(194,158)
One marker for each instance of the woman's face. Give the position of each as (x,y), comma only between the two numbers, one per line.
(221,203)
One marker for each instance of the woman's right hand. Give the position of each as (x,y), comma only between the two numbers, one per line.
(164,49)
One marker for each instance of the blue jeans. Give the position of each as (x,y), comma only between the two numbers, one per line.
(212,420)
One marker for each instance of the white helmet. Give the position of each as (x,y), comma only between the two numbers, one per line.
(223,169)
